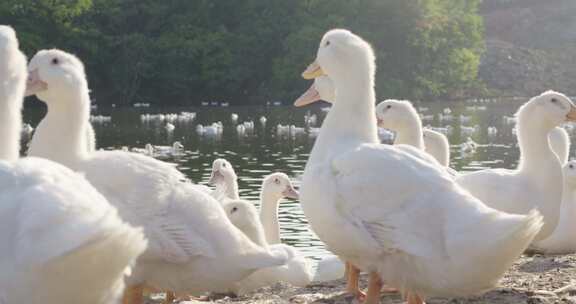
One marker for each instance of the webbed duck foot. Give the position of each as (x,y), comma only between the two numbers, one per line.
(352,278)
(374,287)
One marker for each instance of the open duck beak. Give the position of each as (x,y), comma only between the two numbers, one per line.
(34,85)
(313,71)
(310,96)
(290,192)
(571,116)
(215,178)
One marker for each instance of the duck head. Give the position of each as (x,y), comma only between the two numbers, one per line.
(8,40)
(279,186)
(241,213)
(222,172)
(339,50)
(553,109)
(53,74)
(244,216)
(395,114)
(13,65)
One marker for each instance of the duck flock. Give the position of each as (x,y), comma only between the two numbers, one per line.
(80,225)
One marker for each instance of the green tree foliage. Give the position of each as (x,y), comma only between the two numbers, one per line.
(42,23)
(249,51)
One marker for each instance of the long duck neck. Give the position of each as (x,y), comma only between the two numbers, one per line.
(569,197)
(567,208)
(351,119)
(535,151)
(269,216)
(539,164)
(10,121)
(232,189)
(410,134)
(61,136)
(12,85)
(228,188)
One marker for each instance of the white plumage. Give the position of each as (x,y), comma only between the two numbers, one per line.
(387,209)
(560,144)
(193,247)
(537,182)
(53,222)
(437,145)
(563,239)
(264,228)
(224,180)
(296,271)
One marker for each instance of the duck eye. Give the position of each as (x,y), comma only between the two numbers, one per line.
(277,181)
(234,209)
(327,43)
(55,61)
(554,100)
(224,165)
(388,106)
(571,166)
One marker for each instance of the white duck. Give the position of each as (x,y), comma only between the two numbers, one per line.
(89,140)
(537,182)
(387,209)
(52,221)
(193,247)
(296,271)
(164,152)
(560,143)
(563,239)
(275,187)
(225,181)
(401,117)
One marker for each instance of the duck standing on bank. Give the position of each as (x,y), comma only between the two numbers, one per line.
(388,210)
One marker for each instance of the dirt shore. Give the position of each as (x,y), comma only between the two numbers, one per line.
(533,280)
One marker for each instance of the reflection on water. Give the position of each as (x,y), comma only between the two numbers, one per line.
(258,151)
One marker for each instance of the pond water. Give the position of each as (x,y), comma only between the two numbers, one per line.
(258,153)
